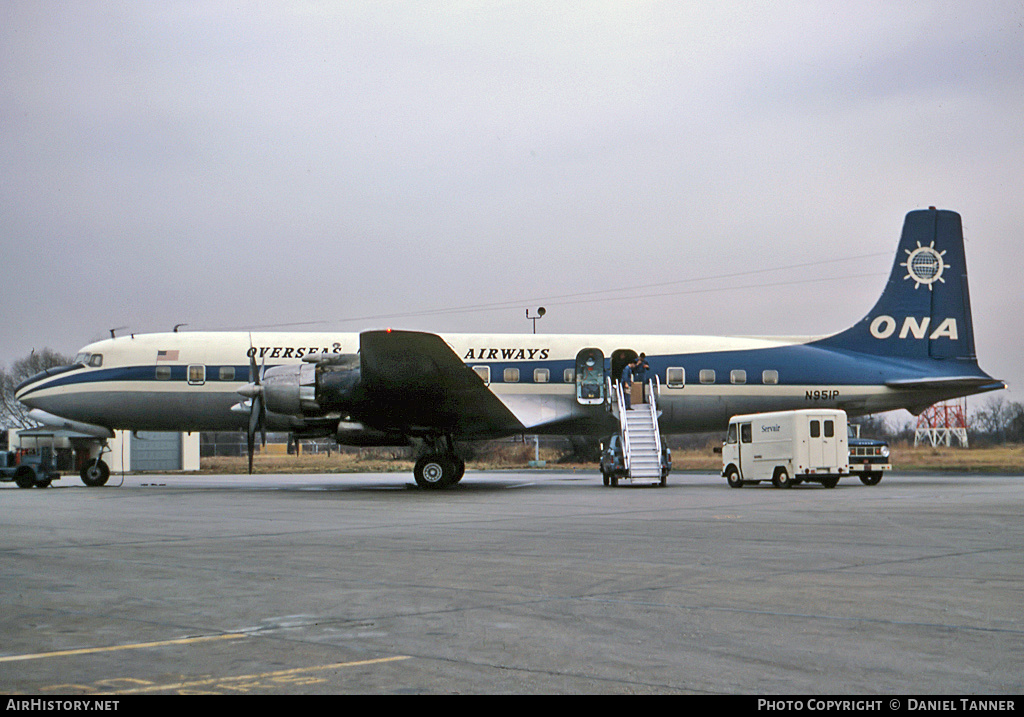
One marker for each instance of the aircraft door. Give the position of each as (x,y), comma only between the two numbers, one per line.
(590,384)
(621,357)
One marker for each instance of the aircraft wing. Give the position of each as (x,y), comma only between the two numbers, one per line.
(416,384)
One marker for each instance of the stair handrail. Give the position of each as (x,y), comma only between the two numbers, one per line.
(654,388)
(623,429)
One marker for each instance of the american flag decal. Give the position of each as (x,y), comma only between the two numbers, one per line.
(166,355)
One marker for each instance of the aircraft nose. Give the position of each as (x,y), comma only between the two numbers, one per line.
(26,391)
(23,390)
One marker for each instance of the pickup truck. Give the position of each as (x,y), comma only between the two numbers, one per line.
(869,457)
(613,467)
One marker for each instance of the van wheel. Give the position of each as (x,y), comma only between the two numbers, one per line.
(871,478)
(781,479)
(830,482)
(733,477)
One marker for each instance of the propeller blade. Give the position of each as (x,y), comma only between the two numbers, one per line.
(257,421)
(258,410)
(251,436)
(262,421)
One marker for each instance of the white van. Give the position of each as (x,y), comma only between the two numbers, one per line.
(787,448)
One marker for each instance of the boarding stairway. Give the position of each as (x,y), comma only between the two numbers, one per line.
(641,437)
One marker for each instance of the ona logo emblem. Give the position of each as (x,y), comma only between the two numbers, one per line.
(925,265)
(882,327)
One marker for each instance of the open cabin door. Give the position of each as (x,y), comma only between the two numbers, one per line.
(590,383)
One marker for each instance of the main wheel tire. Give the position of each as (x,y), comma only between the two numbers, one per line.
(95,473)
(733,478)
(435,470)
(781,479)
(871,478)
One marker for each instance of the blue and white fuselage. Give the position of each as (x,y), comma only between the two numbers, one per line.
(915,347)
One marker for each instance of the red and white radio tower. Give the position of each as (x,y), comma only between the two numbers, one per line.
(939,424)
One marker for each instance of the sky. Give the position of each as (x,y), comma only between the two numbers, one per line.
(732,168)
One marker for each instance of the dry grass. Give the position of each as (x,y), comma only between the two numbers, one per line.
(997,459)
(993,459)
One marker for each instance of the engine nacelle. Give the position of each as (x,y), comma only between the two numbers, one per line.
(309,389)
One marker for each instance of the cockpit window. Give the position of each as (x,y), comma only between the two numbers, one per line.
(87,359)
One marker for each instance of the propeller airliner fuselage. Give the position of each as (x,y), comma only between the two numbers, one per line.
(915,348)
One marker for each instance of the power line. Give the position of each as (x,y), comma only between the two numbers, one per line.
(599,295)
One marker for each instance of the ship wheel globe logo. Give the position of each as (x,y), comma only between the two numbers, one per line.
(925,265)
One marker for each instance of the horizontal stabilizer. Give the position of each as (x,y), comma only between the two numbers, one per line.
(974,384)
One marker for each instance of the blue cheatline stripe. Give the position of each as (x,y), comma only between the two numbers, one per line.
(800,364)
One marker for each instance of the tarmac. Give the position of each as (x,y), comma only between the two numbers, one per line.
(537,582)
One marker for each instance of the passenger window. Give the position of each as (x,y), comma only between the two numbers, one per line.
(511,375)
(163,373)
(746,436)
(770,377)
(815,429)
(737,376)
(484,372)
(569,375)
(675,377)
(541,375)
(830,429)
(197,375)
(707,375)
(227,373)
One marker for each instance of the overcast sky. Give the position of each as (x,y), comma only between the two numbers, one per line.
(447,166)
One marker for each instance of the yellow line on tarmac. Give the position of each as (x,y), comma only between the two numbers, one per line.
(225,681)
(114,648)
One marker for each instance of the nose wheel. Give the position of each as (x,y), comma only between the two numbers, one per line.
(95,473)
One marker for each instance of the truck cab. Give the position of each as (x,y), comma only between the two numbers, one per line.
(869,457)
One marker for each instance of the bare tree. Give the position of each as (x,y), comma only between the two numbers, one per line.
(999,421)
(12,413)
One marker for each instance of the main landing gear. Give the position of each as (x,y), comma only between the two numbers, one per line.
(439,467)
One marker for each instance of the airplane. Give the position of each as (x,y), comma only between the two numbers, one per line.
(390,387)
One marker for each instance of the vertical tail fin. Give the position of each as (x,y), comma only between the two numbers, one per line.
(925,309)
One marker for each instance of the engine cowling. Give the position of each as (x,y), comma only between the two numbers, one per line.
(315,398)
(312,389)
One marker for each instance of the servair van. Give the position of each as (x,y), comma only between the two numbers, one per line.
(787,448)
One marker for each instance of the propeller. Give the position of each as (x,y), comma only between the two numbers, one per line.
(258,408)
